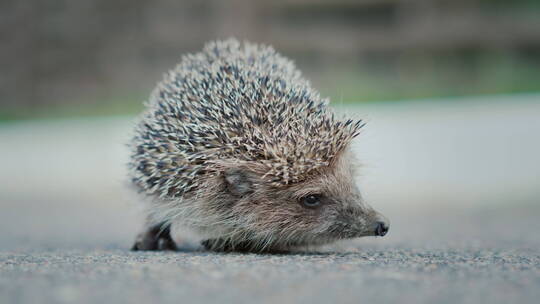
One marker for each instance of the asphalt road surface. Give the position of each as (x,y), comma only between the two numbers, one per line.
(461,230)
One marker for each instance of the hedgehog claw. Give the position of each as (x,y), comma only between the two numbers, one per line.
(156,238)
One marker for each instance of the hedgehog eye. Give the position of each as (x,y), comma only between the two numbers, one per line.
(311,201)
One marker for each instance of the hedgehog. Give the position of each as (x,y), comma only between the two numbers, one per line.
(236,145)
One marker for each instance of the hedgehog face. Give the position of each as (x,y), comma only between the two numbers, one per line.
(323,208)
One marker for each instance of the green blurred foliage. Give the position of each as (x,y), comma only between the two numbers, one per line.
(76,58)
(431,77)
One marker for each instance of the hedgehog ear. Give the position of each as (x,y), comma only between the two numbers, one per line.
(239,182)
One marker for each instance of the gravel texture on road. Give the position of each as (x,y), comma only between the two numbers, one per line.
(373,276)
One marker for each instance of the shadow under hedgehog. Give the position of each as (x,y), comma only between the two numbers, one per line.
(237,146)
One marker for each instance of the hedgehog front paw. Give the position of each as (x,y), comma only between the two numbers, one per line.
(156,238)
(159,244)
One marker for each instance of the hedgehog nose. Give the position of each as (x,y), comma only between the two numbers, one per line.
(381,228)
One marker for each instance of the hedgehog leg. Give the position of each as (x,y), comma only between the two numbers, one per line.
(156,237)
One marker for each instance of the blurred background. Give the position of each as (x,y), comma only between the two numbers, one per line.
(450,91)
(64,58)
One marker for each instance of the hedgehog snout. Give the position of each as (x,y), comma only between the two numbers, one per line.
(381,226)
